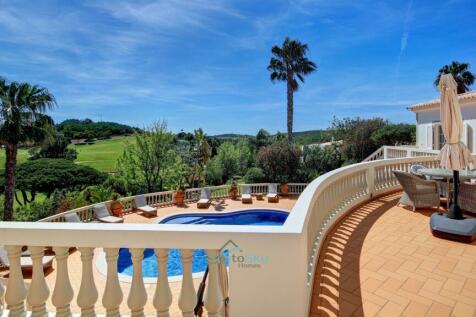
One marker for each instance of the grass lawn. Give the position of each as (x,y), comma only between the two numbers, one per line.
(102,155)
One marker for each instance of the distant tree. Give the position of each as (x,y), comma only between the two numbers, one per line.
(151,161)
(47,175)
(280,162)
(395,134)
(356,134)
(460,71)
(254,175)
(288,63)
(262,138)
(22,108)
(88,129)
(201,156)
(58,148)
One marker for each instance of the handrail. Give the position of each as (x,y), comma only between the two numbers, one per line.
(401,151)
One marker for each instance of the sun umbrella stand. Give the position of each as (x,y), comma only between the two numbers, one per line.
(454,212)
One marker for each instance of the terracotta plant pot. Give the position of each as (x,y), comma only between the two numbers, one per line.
(284,189)
(233,192)
(179,198)
(116,208)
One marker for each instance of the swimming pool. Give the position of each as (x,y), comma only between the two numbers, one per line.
(247,217)
(254,217)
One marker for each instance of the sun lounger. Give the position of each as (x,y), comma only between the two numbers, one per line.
(72,217)
(102,214)
(272,193)
(246,195)
(25,260)
(141,205)
(205,198)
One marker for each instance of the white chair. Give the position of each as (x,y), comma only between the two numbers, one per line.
(272,193)
(141,205)
(102,214)
(246,195)
(205,198)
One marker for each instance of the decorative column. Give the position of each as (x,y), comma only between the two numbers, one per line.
(188,296)
(88,294)
(112,297)
(163,294)
(38,292)
(63,292)
(213,298)
(137,296)
(16,291)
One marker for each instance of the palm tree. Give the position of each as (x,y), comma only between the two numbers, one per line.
(22,119)
(288,63)
(460,71)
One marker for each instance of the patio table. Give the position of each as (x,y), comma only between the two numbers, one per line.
(446,175)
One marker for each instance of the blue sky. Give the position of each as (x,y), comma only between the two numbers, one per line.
(202,63)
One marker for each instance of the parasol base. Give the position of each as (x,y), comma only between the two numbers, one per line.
(452,229)
(454,212)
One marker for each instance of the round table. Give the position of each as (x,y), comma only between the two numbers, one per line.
(448,175)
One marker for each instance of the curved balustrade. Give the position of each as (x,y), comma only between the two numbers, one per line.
(320,205)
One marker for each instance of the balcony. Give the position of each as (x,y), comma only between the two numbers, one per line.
(342,237)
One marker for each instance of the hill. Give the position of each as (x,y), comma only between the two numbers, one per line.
(312,136)
(88,129)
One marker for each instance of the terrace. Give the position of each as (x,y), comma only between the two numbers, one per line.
(345,249)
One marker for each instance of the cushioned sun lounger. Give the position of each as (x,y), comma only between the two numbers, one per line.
(141,205)
(25,260)
(205,198)
(102,213)
(246,195)
(272,193)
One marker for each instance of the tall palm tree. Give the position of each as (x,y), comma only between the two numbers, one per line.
(288,63)
(22,119)
(460,71)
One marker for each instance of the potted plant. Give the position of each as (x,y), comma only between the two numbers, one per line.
(116,206)
(180,194)
(233,192)
(284,188)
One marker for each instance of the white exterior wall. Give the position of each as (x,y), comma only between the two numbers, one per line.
(427,119)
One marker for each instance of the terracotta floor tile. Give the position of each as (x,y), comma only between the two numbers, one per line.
(417,272)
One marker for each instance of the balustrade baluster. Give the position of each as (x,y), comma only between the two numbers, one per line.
(163,294)
(138,295)
(88,294)
(188,295)
(2,293)
(112,296)
(38,291)
(63,292)
(213,298)
(16,291)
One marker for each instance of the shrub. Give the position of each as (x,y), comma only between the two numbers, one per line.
(280,162)
(254,175)
(317,160)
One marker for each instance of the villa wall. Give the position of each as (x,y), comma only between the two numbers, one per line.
(428,119)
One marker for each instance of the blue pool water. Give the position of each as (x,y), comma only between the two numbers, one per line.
(255,217)
(250,217)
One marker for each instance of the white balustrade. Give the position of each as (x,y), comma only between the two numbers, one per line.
(188,296)
(38,291)
(163,294)
(112,297)
(63,292)
(213,297)
(137,295)
(88,294)
(16,290)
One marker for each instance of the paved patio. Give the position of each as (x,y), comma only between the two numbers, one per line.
(382,260)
